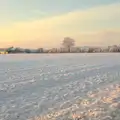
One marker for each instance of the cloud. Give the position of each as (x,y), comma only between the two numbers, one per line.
(38,12)
(103,38)
(98,25)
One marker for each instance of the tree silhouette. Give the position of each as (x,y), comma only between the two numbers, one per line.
(68,43)
(9,49)
(27,51)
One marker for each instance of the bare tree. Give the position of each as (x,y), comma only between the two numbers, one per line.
(114,48)
(68,43)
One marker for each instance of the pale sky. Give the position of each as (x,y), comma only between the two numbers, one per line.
(44,23)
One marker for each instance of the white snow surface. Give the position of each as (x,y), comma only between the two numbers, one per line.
(34,84)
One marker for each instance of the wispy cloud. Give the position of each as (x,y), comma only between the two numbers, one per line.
(83,25)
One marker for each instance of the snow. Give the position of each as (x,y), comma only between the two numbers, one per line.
(31,85)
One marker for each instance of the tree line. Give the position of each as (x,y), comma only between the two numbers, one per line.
(68,46)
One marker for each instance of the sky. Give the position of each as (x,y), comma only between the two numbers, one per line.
(45,23)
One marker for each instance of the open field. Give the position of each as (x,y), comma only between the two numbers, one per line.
(60,86)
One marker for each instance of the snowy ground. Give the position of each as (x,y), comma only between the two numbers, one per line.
(33,85)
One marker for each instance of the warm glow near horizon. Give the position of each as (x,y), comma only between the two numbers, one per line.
(96,25)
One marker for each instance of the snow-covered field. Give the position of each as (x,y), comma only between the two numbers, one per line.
(33,85)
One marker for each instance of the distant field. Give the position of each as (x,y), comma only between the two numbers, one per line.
(33,85)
